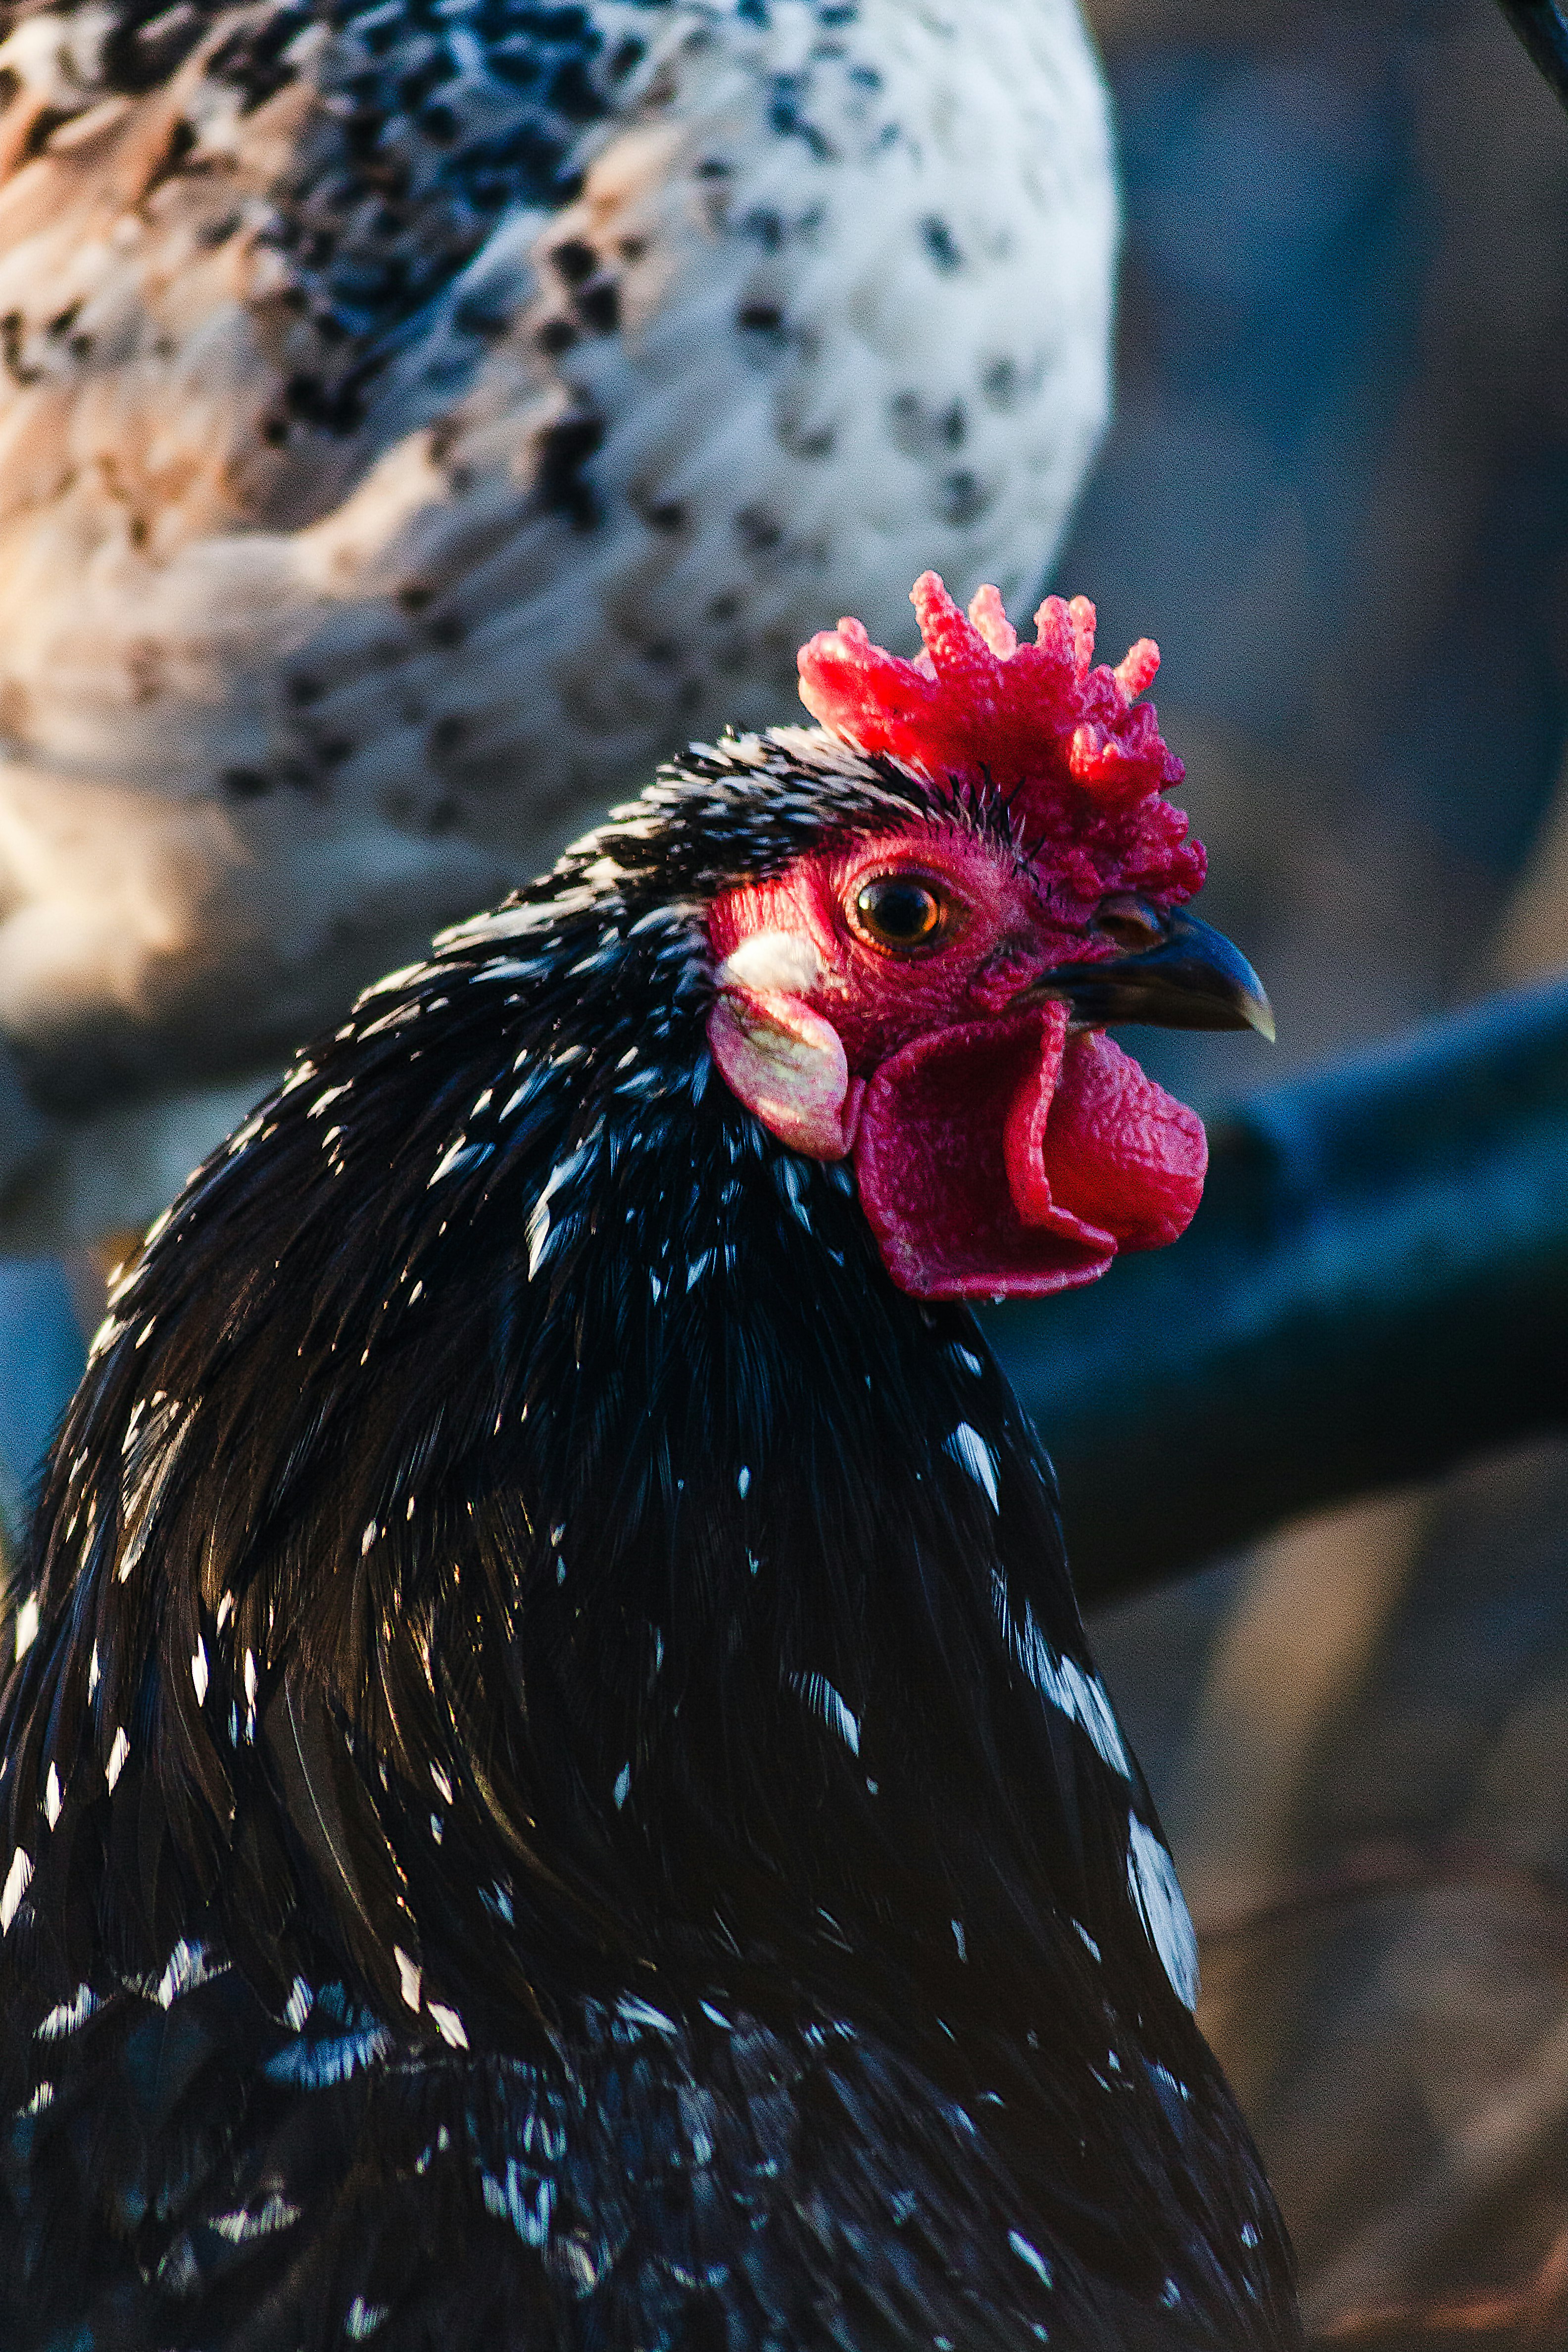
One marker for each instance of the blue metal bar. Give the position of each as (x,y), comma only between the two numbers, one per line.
(41,1357)
(1375,1285)
(1541,26)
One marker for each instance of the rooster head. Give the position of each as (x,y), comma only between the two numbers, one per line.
(930,1000)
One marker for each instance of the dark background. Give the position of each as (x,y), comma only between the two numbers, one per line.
(1337,494)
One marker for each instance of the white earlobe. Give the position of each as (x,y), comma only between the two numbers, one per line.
(786,1064)
(772,963)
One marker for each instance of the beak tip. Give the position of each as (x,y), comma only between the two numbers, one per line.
(1195,978)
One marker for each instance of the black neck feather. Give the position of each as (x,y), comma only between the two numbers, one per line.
(516,1545)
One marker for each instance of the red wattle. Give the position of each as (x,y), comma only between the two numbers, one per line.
(1003,1158)
(1122,1149)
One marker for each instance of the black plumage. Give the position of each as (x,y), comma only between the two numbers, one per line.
(555,1790)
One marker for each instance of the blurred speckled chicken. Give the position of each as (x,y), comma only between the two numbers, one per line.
(418,415)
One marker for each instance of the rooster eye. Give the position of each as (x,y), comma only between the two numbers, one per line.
(900,910)
(1131,923)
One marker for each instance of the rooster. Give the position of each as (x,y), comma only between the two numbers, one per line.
(554,1789)
(376,378)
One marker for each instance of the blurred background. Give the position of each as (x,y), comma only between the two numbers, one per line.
(1336,490)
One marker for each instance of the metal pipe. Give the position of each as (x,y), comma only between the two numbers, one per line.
(1375,1285)
(1541,26)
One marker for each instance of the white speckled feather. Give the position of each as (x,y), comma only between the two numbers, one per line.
(285,685)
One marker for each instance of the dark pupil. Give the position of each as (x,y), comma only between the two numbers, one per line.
(902,913)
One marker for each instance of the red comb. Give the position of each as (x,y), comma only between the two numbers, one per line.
(1081,758)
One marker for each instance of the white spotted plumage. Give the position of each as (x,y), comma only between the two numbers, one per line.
(969,1449)
(335,590)
(829,1703)
(1151,1876)
(669,1610)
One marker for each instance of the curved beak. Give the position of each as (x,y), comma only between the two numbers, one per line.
(1193,979)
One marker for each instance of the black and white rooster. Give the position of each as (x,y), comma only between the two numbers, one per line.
(554,1791)
(419,416)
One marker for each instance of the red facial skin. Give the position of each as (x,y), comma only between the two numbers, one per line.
(1004,935)
(995,1149)
(995,1153)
